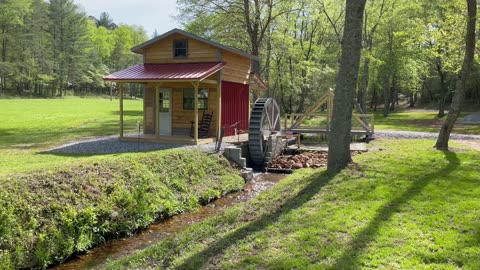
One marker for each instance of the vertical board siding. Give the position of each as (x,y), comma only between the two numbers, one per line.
(235,106)
(149,111)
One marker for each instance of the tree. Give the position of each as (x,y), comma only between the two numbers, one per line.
(463,76)
(370,27)
(12,14)
(68,28)
(106,21)
(339,155)
(252,16)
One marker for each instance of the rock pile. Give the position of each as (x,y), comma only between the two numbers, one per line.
(301,160)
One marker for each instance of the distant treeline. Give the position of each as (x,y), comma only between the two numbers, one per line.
(54,49)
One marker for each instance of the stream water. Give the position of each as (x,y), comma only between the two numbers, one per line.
(117,249)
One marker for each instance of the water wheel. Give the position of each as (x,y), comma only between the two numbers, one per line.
(264,120)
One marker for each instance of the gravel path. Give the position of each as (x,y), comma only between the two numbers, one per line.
(112,145)
(393,134)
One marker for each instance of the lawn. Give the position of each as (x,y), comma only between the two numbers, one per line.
(402,205)
(419,120)
(29,126)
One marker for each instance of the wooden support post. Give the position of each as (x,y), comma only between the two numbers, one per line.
(372,122)
(120,97)
(195,106)
(219,105)
(157,110)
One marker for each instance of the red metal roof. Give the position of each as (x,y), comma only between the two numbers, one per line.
(166,72)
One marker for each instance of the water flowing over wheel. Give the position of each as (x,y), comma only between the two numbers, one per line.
(264,121)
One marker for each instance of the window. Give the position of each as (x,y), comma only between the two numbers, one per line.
(189,99)
(180,48)
(164,102)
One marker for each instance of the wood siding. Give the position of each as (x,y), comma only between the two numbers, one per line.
(237,69)
(149,111)
(162,51)
(181,118)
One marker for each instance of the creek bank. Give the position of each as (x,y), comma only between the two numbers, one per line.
(120,248)
(49,215)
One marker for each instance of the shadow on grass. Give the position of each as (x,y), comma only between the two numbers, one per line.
(349,258)
(128,113)
(199,259)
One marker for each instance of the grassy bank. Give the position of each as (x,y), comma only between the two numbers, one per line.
(48,215)
(404,205)
(29,126)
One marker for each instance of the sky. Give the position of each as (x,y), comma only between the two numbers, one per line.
(151,14)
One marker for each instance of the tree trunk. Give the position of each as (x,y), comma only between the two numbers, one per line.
(374,98)
(393,94)
(339,155)
(386,94)
(458,97)
(412,100)
(443,92)
(363,90)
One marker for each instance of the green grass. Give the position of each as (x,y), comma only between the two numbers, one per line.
(419,120)
(48,215)
(403,206)
(29,126)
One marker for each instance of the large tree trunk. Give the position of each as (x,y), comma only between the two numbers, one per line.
(339,155)
(446,129)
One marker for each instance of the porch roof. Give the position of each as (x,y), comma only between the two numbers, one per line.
(166,72)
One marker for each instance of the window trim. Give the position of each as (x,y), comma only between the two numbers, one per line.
(174,49)
(193,98)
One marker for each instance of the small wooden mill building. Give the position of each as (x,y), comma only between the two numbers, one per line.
(185,77)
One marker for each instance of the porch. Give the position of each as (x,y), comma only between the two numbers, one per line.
(176,97)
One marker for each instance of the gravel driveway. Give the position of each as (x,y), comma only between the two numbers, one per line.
(393,134)
(112,145)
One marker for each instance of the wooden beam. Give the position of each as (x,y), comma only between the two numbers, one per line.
(195,108)
(157,110)
(219,104)
(120,97)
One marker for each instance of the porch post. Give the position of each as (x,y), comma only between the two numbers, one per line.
(219,105)
(120,97)
(157,110)
(195,106)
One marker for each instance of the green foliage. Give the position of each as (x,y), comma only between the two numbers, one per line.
(50,47)
(48,215)
(406,206)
